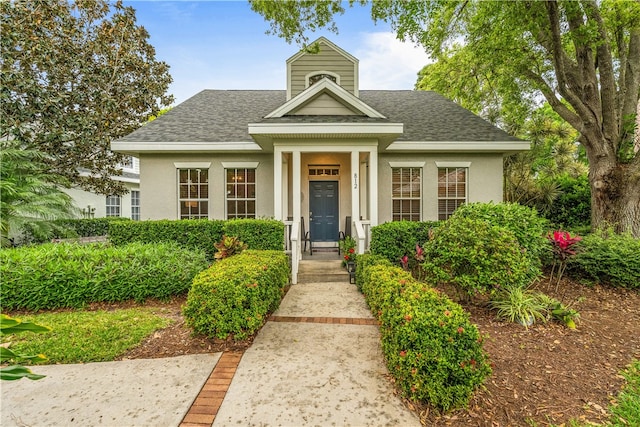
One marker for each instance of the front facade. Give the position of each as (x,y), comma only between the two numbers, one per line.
(319,154)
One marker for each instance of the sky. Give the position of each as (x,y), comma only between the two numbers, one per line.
(223,45)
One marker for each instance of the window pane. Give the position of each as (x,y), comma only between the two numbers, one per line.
(452,190)
(406,193)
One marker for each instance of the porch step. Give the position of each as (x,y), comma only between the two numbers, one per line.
(310,271)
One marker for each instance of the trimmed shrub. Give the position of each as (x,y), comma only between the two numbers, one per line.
(45,231)
(235,295)
(395,239)
(612,259)
(477,257)
(61,275)
(431,348)
(260,234)
(190,233)
(522,221)
(364,261)
(572,207)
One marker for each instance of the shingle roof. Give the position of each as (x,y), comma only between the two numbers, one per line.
(224,115)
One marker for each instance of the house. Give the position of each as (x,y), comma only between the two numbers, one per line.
(92,205)
(321,153)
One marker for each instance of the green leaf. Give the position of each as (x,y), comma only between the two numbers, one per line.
(16,372)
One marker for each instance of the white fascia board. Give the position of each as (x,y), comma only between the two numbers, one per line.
(322,86)
(325,128)
(455,146)
(330,44)
(177,147)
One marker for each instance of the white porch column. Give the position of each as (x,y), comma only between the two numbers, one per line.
(373,186)
(296,166)
(285,188)
(277,184)
(355,185)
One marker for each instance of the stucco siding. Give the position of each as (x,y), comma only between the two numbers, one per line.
(159,183)
(485,180)
(82,199)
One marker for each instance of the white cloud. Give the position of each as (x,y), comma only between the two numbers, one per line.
(388,63)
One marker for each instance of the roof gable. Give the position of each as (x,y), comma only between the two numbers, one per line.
(321,91)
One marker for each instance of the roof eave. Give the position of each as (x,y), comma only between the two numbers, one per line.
(505,147)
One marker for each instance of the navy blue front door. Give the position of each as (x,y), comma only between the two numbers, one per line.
(323,211)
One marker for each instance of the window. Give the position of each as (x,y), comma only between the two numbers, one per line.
(113,206)
(317,77)
(406,183)
(241,193)
(193,193)
(135,205)
(452,190)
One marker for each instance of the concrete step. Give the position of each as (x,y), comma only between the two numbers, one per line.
(311,271)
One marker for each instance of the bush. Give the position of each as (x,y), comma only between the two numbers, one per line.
(433,351)
(612,259)
(395,239)
(201,233)
(235,295)
(364,261)
(45,231)
(522,221)
(572,207)
(477,257)
(60,275)
(259,234)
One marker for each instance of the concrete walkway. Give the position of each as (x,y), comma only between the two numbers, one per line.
(316,362)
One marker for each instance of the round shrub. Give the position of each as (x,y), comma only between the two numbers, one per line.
(236,294)
(72,275)
(524,222)
(477,257)
(395,239)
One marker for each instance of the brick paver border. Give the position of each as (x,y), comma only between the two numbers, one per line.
(331,320)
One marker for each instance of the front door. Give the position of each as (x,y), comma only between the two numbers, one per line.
(323,211)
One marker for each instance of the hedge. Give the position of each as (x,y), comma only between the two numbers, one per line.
(45,231)
(395,239)
(363,261)
(62,275)
(200,233)
(431,348)
(234,297)
(612,259)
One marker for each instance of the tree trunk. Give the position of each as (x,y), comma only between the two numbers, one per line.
(615,196)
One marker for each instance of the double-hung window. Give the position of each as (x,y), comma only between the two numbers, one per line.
(406,193)
(240,192)
(135,205)
(452,190)
(193,193)
(113,206)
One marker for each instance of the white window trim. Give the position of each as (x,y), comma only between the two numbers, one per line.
(453,164)
(315,73)
(407,164)
(240,165)
(192,165)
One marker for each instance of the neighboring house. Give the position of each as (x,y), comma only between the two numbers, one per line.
(92,205)
(321,151)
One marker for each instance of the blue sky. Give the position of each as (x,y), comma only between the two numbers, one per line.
(223,45)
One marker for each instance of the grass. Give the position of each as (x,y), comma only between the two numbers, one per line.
(626,409)
(87,336)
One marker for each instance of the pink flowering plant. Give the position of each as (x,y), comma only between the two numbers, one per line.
(348,247)
(563,247)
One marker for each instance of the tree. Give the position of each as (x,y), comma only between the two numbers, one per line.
(583,57)
(28,192)
(76,75)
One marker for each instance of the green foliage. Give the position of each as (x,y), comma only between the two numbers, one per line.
(13,326)
(75,76)
(363,262)
(260,234)
(626,411)
(572,207)
(235,295)
(522,221)
(71,275)
(89,336)
(348,248)
(519,305)
(558,311)
(28,191)
(613,259)
(477,257)
(395,239)
(228,246)
(433,351)
(67,228)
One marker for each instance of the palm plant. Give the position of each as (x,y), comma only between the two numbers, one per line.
(28,192)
